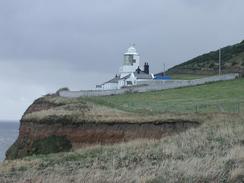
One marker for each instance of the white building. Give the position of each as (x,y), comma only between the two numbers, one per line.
(131,62)
(129,73)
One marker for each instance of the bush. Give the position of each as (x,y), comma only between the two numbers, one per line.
(211,65)
(52,144)
(234,63)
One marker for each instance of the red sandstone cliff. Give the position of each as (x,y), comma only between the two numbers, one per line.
(54,124)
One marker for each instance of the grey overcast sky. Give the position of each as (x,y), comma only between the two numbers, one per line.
(48,44)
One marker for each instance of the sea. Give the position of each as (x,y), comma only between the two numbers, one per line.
(8,134)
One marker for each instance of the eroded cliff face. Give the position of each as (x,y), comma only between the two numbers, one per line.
(53,124)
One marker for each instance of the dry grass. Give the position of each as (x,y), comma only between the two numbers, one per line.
(79,112)
(210,153)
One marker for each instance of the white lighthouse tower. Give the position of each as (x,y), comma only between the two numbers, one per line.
(131,62)
(129,73)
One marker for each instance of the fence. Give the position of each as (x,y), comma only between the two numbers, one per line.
(223,107)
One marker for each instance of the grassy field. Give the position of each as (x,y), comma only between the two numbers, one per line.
(226,94)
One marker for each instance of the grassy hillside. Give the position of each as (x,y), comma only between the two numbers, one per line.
(232,61)
(213,152)
(216,97)
(226,93)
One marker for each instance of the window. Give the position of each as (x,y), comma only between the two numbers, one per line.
(129,60)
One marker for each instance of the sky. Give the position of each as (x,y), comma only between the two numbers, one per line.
(46,45)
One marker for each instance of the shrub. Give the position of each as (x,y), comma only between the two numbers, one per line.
(52,144)
(234,63)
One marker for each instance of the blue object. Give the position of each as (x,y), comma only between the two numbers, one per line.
(158,77)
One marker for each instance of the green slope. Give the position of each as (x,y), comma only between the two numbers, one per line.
(232,61)
(227,93)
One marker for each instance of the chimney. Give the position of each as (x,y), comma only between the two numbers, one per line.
(146,68)
(138,70)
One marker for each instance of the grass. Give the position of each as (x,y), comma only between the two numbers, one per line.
(213,97)
(227,93)
(210,153)
(187,76)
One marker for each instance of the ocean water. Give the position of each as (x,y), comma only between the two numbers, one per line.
(8,134)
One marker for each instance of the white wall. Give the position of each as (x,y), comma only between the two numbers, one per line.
(110,86)
(121,83)
(132,79)
(153,85)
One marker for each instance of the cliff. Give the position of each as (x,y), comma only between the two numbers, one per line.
(55,124)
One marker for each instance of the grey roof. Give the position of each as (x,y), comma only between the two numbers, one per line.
(143,75)
(114,80)
(126,77)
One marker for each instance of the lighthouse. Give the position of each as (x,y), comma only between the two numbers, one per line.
(130,63)
(129,73)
